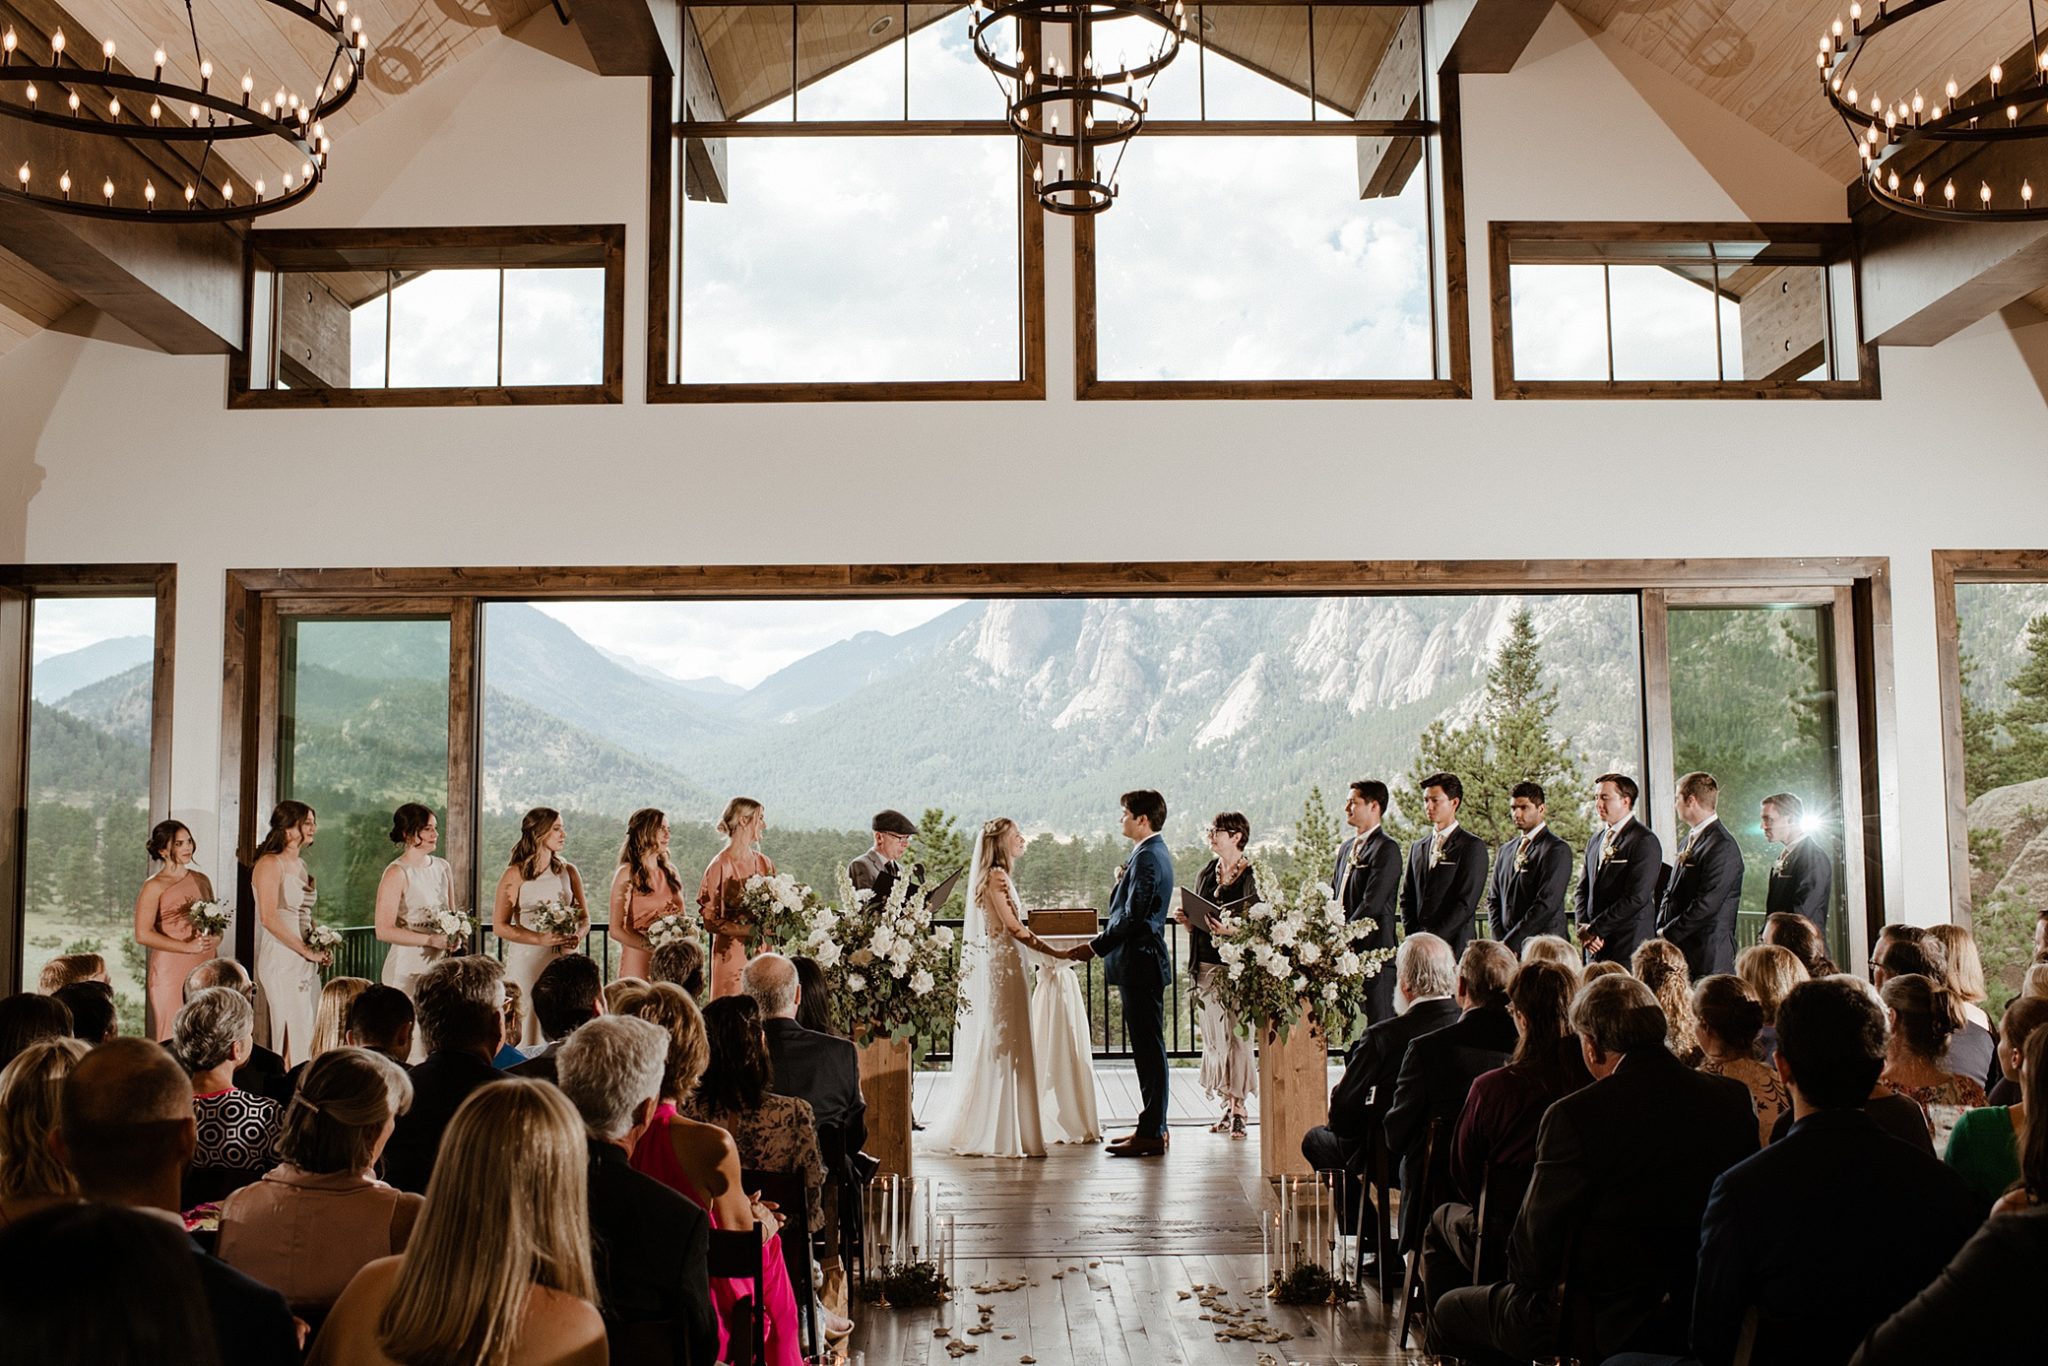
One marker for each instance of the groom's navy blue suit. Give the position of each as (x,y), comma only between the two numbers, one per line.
(1132,948)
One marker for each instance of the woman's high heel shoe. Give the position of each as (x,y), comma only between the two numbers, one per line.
(1237,1126)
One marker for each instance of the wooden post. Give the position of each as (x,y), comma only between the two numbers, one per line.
(1294,1096)
(885,1086)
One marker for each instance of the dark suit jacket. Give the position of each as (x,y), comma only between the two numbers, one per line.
(439,1086)
(1444,900)
(1617,901)
(1981,1308)
(651,1249)
(1900,1116)
(823,1069)
(1803,883)
(265,1075)
(1366,1089)
(1699,907)
(1372,889)
(1432,1083)
(1623,1168)
(1133,944)
(1894,1219)
(251,1322)
(1526,902)
(541,1066)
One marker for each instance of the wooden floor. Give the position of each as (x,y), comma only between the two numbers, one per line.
(1085,1259)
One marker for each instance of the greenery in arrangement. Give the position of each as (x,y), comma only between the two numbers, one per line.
(1311,1283)
(908,1285)
(893,972)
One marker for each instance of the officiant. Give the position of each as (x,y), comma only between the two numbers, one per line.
(877,870)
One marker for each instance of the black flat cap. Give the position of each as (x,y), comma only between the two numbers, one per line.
(893,823)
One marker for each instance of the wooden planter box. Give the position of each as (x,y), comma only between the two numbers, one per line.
(1294,1097)
(885,1086)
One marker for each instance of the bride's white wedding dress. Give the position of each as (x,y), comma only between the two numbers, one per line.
(996,1082)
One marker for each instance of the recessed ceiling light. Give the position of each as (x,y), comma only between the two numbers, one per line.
(881,26)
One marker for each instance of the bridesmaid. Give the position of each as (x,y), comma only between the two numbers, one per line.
(645,888)
(414,882)
(162,927)
(287,972)
(537,872)
(743,824)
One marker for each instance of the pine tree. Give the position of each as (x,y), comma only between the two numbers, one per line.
(1980,736)
(1311,854)
(2025,756)
(938,844)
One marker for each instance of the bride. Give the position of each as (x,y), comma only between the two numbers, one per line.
(996,1077)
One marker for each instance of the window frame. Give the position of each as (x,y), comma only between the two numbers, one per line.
(1839,238)
(1443,167)
(279,251)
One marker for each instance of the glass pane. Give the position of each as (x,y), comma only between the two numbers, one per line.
(363,728)
(2003,631)
(850,60)
(1254,61)
(1560,315)
(554,326)
(1753,703)
(1782,322)
(88,789)
(444,330)
(1254,258)
(746,58)
(1174,93)
(855,260)
(947,81)
(1663,324)
(366,334)
(1368,60)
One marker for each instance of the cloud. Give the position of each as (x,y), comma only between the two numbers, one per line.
(66,624)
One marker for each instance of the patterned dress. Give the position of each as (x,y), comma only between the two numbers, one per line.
(238,1133)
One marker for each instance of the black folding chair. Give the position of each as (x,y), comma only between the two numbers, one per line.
(1412,1306)
(1501,1190)
(736,1255)
(787,1192)
(1380,1165)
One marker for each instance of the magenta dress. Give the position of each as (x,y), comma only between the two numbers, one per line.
(656,1157)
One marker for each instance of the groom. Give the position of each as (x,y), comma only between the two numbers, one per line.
(1133,952)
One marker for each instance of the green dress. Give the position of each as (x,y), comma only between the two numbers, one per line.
(1985,1151)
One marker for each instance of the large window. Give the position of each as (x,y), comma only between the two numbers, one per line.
(840,213)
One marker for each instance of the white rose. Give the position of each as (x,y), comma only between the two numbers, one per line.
(1330,993)
(827,954)
(943,936)
(920,982)
(1301,984)
(1276,966)
(1236,971)
(897,969)
(901,956)
(883,941)
(1309,951)
(1261,911)
(1284,932)
(1230,953)
(1334,915)
(863,896)
(856,982)
(1347,963)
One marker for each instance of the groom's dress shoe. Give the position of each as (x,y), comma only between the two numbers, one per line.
(1135,1146)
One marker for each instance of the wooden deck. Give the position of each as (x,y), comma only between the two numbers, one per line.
(1085,1259)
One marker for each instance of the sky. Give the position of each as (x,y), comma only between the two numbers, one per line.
(740,642)
(66,624)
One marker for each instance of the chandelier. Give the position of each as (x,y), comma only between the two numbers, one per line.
(1884,126)
(1102,103)
(106,114)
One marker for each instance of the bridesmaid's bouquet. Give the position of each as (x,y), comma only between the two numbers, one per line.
(209,918)
(323,939)
(443,922)
(780,907)
(672,929)
(1296,958)
(553,916)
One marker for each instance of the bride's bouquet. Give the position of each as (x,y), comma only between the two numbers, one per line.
(892,972)
(553,916)
(322,939)
(208,918)
(673,928)
(1297,958)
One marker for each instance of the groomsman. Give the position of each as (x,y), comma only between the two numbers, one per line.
(1446,869)
(1804,874)
(1532,873)
(1616,900)
(1367,882)
(1699,908)
(876,870)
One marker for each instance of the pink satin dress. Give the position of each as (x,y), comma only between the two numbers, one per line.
(723,879)
(168,971)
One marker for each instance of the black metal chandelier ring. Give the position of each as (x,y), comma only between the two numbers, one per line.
(1100,134)
(1085,13)
(1096,196)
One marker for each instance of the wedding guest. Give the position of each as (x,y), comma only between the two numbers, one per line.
(1981,1308)
(2031,1189)
(1229,1072)
(287,971)
(1813,1281)
(380,1019)
(1902,949)
(1975,1040)
(1532,873)
(498,1269)
(1553,948)
(31,1177)
(649,1243)
(814,997)
(1728,1020)
(54,1318)
(65,969)
(1446,871)
(1615,901)
(566,996)
(1367,881)
(646,888)
(732,937)
(127,1132)
(461,1005)
(163,927)
(683,964)
(414,885)
(92,1011)
(621,992)
(2035,983)
(775,1133)
(237,1129)
(1659,965)
(1985,1144)
(1804,874)
(264,1073)
(1897,1115)
(319,1217)
(330,1023)
(702,1163)
(1921,1017)
(536,873)
(1602,967)
(1770,972)
(508,1055)
(1794,932)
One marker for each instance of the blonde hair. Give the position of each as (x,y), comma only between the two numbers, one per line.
(2035,983)
(1605,967)
(995,830)
(493,1228)
(1771,972)
(330,1022)
(61,972)
(1660,965)
(1965,966)
(736,810)
(1553,948)
(689,1049)
(29,1090)
(621,992)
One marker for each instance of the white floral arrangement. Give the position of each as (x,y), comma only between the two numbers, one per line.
(443,922)
(323,939)
(892,972)
(553,916)
(210,919)
(671,929)
(1286,961)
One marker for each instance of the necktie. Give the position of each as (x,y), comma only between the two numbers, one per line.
(890,868)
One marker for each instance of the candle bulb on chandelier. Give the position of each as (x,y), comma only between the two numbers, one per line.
(2027,193)
(159,63)
(107,51)
(31,93)
(73,102)
(248,88)
(7,45)
(259,192)
(64,184)
(114,109)
(191,196)
(22,175)
(1984,193)
(57,48)
(1948,193)
(1919,190)
(148,195)
(156,114)
(205,75)
(107,189)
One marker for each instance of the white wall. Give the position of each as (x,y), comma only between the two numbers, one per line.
(113,453)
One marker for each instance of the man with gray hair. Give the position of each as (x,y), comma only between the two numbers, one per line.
(1426,973)
(649,1244)
(1623,1168)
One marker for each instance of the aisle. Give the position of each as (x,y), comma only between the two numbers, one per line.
(1095,1261)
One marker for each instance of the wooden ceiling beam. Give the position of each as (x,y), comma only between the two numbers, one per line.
(1491,37)
(630,37)
(178,286)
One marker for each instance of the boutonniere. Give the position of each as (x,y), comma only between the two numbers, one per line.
(1607,850)
(1522,857)
(1778,868)
(1436,855)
